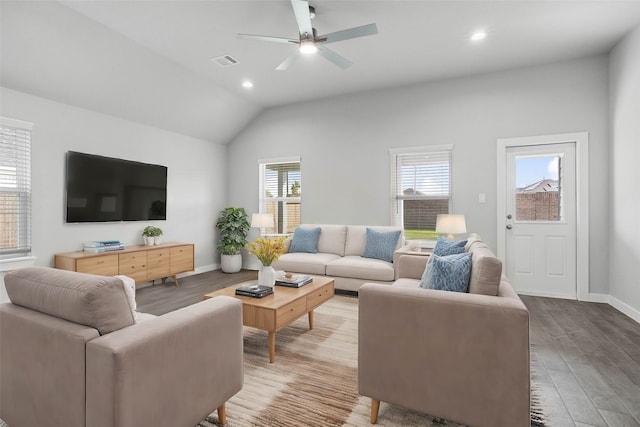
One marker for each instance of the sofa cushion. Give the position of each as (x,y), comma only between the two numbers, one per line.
(96,301)
(332,238)
(406,283)
(357,238)
(486,269)
(445,246)
(357,267)
(300,262)
(448,273)
(305,240)
(381,244)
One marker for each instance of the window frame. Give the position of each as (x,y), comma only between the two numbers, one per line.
(263,200)
(396,196)
(18,157)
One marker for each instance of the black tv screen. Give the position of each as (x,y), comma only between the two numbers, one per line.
(101,189)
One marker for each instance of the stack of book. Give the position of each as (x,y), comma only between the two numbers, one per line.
(103,246)
(256,291)
(293,280)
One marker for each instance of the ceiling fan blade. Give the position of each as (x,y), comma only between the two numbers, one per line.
(266,38)
(350,33)
(331,56)
(288,61)
(301,10)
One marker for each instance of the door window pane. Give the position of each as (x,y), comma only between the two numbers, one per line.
(538,188)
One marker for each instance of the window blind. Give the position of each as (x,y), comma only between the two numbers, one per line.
(420,187)
(281,194)
(15,188)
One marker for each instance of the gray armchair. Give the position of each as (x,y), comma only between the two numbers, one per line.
(459,356)
(72,354)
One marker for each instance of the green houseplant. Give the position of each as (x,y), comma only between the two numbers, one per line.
(234,227)
(151,235)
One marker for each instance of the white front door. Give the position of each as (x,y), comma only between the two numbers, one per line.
(540,219)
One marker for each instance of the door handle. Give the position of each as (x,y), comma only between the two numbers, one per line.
(509,226)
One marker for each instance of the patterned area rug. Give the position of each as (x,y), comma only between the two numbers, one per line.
(314,380)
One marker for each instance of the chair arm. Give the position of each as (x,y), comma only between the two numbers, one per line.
(172,370)
(412,266)
(463,357)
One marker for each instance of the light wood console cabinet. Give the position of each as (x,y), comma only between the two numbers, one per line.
(141,263)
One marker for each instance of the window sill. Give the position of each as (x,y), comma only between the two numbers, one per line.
(16,263)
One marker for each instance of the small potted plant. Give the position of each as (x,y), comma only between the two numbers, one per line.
(151,235)
(234,227)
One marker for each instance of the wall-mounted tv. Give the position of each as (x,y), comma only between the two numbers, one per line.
(103,189)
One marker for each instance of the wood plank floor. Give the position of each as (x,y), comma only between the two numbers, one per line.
(587,355)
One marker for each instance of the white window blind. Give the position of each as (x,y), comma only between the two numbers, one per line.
(15,188)
(420,188)
(281,193)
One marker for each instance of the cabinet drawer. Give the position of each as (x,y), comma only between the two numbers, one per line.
(134,265)
(181,259)
(290,312)
(319,296)
(105,265)
(159,264)
(133,262)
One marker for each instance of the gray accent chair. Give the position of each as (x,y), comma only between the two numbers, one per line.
(72,354)
(463,357)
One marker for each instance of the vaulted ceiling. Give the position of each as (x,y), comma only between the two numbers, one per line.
(150,61)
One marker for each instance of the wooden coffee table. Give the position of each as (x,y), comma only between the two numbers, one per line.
(283,307)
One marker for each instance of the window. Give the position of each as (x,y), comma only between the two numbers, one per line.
(420,189)
(280,193)
(15,188)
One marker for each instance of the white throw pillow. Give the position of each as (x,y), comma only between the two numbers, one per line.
(130,290)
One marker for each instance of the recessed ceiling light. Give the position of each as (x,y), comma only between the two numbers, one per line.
(478,35)
(247,84)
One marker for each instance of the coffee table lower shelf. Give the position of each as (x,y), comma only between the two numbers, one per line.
(286,305)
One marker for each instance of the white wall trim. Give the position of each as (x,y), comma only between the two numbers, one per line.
(581,140)
(546,295)
(624,308)
(421,148)
(603,298)
(292,159)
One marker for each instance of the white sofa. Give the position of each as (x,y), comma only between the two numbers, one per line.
(340,249)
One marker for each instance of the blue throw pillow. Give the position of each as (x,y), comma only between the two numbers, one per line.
(445,246)
(305,240)
(448,273)
(381,245)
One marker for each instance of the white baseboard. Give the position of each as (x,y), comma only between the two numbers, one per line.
(546,295)
(596,298)
(624,308)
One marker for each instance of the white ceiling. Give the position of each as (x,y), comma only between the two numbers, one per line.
(139,59)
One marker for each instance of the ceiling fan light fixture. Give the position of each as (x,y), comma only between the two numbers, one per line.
(308,47)
(478,35)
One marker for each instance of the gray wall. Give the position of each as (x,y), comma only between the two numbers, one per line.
(196,176)
(343,143)
(624,230)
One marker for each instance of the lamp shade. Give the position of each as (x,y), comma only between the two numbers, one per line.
(451,224)
(261,220)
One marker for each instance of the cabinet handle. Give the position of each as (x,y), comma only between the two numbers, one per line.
(100,262)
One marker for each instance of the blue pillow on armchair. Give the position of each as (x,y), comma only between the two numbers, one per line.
(305,240)
(381,245)
(445,246)
(448,273)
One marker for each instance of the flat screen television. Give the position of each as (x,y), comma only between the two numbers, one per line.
(104,189)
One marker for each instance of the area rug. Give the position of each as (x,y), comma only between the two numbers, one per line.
(314,380)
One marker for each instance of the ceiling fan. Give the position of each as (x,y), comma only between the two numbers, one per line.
(309,42)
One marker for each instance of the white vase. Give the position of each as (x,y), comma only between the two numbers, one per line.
(267,276)
(149,241)
(157,240)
